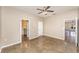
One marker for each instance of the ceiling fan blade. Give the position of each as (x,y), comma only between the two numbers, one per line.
(39,12)
(47,7)
(50,11)
(40,9)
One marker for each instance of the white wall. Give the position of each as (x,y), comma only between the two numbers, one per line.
(54,26)
(11,25)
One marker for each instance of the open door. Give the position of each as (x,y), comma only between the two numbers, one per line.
(24,29)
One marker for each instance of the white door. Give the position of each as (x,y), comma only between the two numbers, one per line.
(40,28)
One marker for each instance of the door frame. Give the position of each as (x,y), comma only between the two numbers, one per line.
(28,34)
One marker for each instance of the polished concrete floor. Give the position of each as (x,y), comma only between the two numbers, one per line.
(41,44)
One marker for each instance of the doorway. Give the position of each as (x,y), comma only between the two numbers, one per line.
(25,30)
(70,31)
(40,28)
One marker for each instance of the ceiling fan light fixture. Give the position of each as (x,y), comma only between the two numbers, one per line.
(45,10)
(44,13)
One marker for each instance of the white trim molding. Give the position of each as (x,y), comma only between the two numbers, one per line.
(4,46)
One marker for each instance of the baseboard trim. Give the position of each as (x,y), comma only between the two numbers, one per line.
(33,38)
(48,37)
(53,37)
(9,45)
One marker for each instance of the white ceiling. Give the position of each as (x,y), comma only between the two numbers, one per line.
(57,9)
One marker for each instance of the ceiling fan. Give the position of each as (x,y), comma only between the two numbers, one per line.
(45,10)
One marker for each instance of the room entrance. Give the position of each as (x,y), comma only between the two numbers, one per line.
(24,30)
(70,31)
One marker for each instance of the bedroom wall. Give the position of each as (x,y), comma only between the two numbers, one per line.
(54,26)
(11,25)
